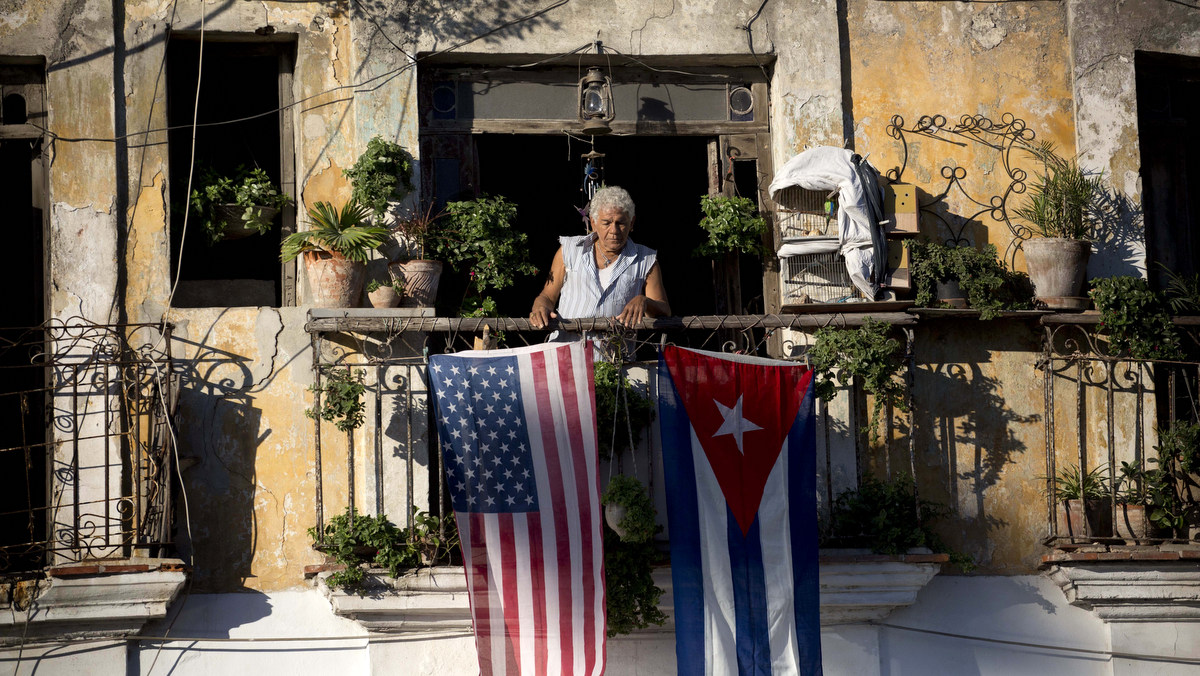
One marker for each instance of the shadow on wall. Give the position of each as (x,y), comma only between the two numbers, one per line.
(397,23)
(969,421)
(219,436)
(1120,237)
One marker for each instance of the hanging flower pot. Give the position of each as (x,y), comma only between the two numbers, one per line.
(614,513)
(240,225)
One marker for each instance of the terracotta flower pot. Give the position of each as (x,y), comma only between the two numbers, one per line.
(1084,520)
(420,281)
(334,280)
(1058,269)
(383,297)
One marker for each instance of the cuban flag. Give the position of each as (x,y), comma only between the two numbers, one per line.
(740,462)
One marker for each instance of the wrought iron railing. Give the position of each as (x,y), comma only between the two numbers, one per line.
(1118,461)
(85,443)
(389,465)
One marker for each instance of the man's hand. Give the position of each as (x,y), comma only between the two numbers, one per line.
(541,314)
(634,311)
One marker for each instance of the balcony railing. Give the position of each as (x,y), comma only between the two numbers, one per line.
(85,439)
(390,465)
(1106,414)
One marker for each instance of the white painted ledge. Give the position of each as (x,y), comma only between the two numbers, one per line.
(90,600)
(855,585)
(1130,590)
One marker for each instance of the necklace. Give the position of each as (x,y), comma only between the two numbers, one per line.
(607,261)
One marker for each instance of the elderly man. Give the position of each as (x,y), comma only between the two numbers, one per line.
(603,273)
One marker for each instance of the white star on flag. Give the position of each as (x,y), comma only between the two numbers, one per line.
(735,423)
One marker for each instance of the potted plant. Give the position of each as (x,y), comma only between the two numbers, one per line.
(335,251)
(479,238)
(733,227)
(888,518)
(1134,318)
(381,176)
(1061,209)
(869,356)
(963,276)
(237,205)
(384,295)
(629,556)
(621,410)
(1083,503)
(421,275)
(358,542)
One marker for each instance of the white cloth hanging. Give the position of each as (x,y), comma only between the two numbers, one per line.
(829,168)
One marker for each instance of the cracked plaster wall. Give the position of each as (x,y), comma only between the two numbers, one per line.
(956,59)
(1104,37)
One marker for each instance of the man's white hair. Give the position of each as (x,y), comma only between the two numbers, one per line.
(611,197)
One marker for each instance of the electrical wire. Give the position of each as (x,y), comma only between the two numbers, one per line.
(356,85)
(1044,646)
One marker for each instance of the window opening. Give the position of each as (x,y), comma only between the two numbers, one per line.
(1168,93)
(239,92)
(23,428)
(13,111)
(666,177)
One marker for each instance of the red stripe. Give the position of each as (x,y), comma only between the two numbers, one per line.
(557,511)
(537,575)
(510,600)
(582,489)
(480,608)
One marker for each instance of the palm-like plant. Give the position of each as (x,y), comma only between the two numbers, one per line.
(1064,199)
(342,231)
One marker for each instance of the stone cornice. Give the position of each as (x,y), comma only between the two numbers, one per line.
(1130,585)
(855,586)
(90,600)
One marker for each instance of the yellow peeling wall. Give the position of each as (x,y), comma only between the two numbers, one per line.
(955,59)
(980,437)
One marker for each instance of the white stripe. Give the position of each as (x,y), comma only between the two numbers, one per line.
(524,590)
(775,528)
(567,465)
(496,582)
(549,552)
(587,425)
(720,622)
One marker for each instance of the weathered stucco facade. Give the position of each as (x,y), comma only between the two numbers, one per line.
(838,71)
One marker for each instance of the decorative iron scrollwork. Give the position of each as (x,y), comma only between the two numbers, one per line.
(1004,136)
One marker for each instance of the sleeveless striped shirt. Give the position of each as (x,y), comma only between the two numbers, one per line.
(583,296)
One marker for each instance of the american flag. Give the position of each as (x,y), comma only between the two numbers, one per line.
(518,440)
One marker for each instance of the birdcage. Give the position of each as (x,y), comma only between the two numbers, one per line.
(806,213)
(817,278)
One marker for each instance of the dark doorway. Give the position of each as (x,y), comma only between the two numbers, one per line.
(22,384)
(544,175)
(1168,96)
(237,125)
